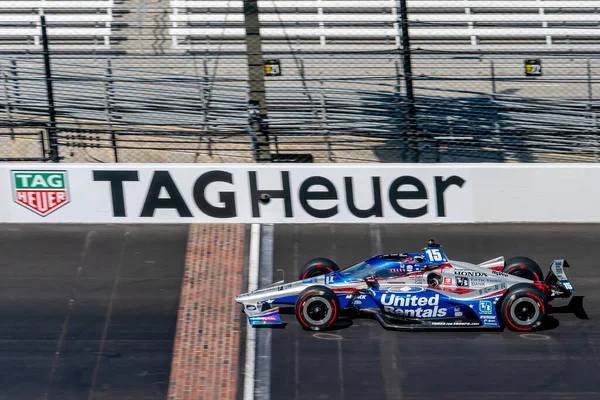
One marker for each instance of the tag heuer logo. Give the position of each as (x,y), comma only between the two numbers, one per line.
(42,192)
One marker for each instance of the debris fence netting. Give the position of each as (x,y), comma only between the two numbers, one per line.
(194,109)
(167,80)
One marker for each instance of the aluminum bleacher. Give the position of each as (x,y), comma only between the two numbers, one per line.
(331,25)
(323,24)
(77,25)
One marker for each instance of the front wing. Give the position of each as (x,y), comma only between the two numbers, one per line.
(268,317)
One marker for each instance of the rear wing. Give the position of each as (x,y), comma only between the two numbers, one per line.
(557,279)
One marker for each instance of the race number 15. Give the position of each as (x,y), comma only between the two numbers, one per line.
(434,255)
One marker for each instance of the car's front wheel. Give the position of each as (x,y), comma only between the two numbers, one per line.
(524,308)
(317,308)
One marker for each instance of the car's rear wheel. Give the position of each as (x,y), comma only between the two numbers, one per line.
(524,308)
(523,267)
(317,308)
(317,266)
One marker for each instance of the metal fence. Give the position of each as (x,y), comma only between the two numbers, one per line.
(167,81)
(194,109)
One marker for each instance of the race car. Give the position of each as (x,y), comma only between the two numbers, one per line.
(415,290)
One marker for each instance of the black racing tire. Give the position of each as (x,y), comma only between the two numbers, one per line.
(317,266)
(523,308)
(317,308)
(523,267)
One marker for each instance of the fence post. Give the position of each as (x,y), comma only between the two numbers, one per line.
(202,84)
(205,93)
(109,94)
(7,104)
(493,75)
(589,81)
(408,82)
(398,105)
(257,106)
(43,146)
(324,124)
(591,107)
(52,135)
(15,81)
(497,138)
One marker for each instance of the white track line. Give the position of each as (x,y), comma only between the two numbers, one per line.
(262,379)
(250,332)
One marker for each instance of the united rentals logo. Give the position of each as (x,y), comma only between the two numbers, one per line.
(42,192)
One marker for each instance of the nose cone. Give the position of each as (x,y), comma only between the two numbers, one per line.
(239,299)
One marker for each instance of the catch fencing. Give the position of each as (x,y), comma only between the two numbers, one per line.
(167,81)
(194,109)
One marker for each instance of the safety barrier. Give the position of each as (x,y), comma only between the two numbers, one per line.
(343,193)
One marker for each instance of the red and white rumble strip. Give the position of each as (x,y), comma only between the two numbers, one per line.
(205,354)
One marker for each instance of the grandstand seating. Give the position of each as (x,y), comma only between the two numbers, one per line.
(309,23)
(434,24)
(71,24)
(327,25)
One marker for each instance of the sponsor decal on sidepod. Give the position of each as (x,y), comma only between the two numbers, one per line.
(413,305)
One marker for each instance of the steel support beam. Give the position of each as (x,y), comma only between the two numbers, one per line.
(257,108)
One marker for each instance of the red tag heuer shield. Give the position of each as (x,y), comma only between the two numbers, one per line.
(42,192)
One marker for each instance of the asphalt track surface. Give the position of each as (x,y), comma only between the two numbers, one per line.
(88,312)
(364,361)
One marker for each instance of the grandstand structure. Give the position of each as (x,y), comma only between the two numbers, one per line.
(331,25)
(183,26)
(77,25)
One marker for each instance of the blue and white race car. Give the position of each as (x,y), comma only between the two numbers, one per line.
(414,291)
